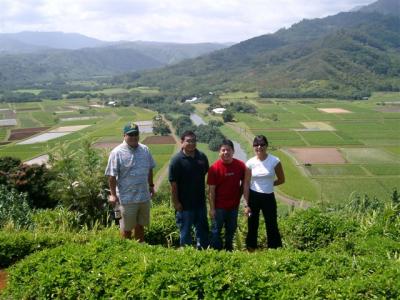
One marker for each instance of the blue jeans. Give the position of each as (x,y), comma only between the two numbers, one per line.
(229,219)
(198,218)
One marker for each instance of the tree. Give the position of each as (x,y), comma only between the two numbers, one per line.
(227,116)
(160,127)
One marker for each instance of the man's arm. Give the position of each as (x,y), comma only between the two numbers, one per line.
(150,182)
(211,199)
(112,183)
(246,191)
(174,193)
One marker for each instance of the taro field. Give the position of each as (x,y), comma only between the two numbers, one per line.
(42,127)
(331,150)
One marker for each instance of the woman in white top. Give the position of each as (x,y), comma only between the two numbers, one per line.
(264,171)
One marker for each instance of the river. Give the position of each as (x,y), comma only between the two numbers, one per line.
(239,152)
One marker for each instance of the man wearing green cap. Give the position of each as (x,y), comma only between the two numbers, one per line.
(130,172)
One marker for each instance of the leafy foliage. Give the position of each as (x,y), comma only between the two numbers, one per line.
(14,208)
(160,126)
(29,179)
(310,229)
(96,269)
(79,182)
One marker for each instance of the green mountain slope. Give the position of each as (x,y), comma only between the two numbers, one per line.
(346,56)
(64,64)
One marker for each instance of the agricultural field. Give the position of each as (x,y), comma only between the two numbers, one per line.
(330,149)
(323,144)
(42,127)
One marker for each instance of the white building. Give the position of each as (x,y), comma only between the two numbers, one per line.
(219,110)
(194,99)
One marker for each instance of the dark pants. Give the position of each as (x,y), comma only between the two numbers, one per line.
(229,219)
(267,204)
(196,218)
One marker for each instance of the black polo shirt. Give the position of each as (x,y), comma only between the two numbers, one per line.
(189,174)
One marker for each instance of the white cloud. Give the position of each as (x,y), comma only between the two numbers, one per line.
(167,20)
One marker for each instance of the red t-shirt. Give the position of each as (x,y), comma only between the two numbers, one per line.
(227,179)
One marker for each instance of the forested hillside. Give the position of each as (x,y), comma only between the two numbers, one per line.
(347,56)
(38,57)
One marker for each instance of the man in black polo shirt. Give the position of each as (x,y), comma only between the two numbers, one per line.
(187,172)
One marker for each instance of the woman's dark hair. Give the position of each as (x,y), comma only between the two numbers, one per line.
(187,133)
(226,142)
(260,139)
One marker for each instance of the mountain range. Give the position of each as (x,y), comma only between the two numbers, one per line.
(347,55)
(31,57)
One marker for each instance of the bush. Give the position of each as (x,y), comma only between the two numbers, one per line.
(14,208)
(59,219)
(15,245)
(79,183)
(162,229)
(309,230)
(228,116)
(29,179)
(120,269)
(33,180)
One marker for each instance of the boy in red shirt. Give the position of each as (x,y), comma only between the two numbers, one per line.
(225,180)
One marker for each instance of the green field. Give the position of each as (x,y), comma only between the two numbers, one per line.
(108,125)
(367,138)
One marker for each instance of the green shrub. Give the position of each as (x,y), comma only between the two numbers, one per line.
(55,220)
(14,208)
(28,179)
(120,269)
(15,245)
(309,230)
(79,183)
(162,229)
(33,180)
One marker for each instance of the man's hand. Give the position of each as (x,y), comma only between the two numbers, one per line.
(113,200)
(178,206)
(152,191)
(247,211)
(212,213)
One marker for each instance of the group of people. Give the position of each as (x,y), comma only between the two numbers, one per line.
(130,171)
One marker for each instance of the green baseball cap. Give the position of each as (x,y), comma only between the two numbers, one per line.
(131,128)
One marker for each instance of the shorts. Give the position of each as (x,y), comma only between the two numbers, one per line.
(134,214)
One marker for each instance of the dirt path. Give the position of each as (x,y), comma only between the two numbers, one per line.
(3,279)
(164,171)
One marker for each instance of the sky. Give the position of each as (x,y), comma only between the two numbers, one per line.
(182,21)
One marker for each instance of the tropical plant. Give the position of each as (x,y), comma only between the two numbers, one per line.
(14,208)
(79,183)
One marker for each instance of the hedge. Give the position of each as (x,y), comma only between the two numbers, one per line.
(113,268)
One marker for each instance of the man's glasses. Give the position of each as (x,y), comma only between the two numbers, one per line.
(259,144)
(191,141)
(132,134)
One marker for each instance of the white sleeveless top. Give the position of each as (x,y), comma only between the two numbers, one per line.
(262,173)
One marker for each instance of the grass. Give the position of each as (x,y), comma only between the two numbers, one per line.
(369,139)
(33,91)
(211,155)
(384,169)
(239,95)
(336,170)
(297,184)
(368,155)
(337,190)
(3,134)
(26,120)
